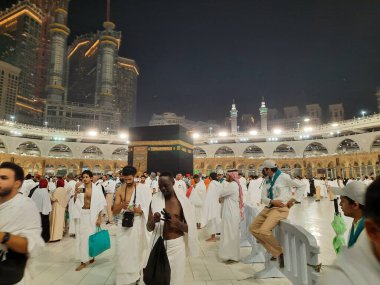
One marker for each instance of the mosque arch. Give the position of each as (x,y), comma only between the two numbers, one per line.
(376,144)
(60,151)
(107,169)
(348,146)
(224,151)
(315,149)
(284,150)
(28,148)
(120,153)
(3,148)
(199,152)
(73,169)
(92,152)
(253,151)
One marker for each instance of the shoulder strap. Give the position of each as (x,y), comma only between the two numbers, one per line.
(125,191)
(32,191)
(134,198)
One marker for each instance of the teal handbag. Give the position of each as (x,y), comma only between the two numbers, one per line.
(99,242)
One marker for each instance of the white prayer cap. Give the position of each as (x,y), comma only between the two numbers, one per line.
(355,191)
(220,171)
(269,164)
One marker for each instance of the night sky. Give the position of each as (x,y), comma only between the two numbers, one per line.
(195,56)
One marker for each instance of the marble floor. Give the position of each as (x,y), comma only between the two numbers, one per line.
(56,265)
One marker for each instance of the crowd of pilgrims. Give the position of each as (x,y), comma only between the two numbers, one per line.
(77,205)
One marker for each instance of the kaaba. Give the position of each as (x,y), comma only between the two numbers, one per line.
(161,148)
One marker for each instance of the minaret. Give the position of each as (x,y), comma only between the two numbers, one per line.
(108,43)
(233,118)
(264,116)
(57,63)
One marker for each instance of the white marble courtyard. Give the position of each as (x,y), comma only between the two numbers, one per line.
(56,264)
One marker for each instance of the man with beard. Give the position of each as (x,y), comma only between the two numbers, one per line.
(90,201)
(131,242)
(20,222)
(179,223)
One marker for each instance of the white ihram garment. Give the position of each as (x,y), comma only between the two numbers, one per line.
(74,212)
(229,247)
(197,197)
(180,185)
(212,208)
(19,216)
(254,192)
(357,265)
(88,217)
(179,248)
(307,187)
(131,243)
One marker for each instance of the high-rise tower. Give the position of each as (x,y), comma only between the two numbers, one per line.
(57,65)
(264,116)
(108,47)
(233,118)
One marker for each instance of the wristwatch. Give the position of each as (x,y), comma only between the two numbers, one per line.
(6,238)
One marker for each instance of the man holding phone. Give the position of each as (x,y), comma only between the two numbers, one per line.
(90,202)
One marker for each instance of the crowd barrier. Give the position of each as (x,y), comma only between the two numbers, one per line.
(300,253)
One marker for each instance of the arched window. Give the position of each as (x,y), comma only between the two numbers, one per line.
(224,151)
(253,151)
(92,152)
(284,150)
(28,148)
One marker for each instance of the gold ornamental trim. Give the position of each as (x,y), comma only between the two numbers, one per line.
(172,143)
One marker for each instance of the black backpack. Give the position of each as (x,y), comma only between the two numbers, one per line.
(157,270)
(12,268)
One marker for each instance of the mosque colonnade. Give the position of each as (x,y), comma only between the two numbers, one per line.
(346,156)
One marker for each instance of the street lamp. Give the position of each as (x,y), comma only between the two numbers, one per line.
(210,129)
(363,113)
(13,118)
(46,124)
(78,126)
(108,130)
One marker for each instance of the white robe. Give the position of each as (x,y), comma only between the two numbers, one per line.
(357,265)
(307,188)
(243,183)
(197,197)
(254,192)
(180,185)
(42,200)
(74,212)
(179,248)
(229,247)
(132,241)
(19,216)
(27,185)
(211,210)
(88,218)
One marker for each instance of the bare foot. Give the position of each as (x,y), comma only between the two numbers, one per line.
(212,239)
(80,267)
(92,260)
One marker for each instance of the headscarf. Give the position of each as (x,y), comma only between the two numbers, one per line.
(234,174)
(60,183)
(43,183)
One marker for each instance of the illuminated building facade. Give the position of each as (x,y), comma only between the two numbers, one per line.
(20,27)
(9,75)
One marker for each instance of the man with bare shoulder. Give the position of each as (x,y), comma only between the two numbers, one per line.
(90,202)
(178,225)
(131,235)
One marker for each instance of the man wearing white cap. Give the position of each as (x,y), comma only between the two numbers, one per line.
(360,264)
(352,198)
(221,178)
(278,198)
